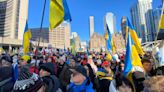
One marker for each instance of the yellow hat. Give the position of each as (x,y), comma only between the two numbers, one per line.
(109,57)
(25,57)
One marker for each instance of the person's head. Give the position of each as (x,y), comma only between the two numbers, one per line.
(106,65)
(6,60)
(61,60)
(24,60)
(147,65)
(79,60)
(138,78)
(90,60)
(121,65)
(72,63)
(28,82)
(154,84)
(46,69)
(79,75)
(49,59)
(123,84)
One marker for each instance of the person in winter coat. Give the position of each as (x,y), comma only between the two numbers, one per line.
(28,82)
(65,76)
(47,73)
(79,81)
(6,82)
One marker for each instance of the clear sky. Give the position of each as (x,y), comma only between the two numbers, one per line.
(81,10)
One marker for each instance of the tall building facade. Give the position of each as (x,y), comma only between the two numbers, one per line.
(157,15)
(44,34)
(13,15)
(74,34)
(91,25)
(84,45)
(123,26)
(138,12)
(111,22)
(151,30)
(60,36)
(77,40)
(97,42)
(77,43)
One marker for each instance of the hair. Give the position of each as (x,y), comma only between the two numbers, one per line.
(154,84)
(122,81)
(145,60)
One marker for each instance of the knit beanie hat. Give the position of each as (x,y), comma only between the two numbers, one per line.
(7,58)
(49,67)
(27,82)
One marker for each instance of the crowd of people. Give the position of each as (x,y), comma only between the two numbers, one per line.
(83,72)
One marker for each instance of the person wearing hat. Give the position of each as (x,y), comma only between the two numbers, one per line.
(72,63)
(105,77)
(25,59)
(47,73)
(28,82)
(6,61)
(80,81)
(6,81)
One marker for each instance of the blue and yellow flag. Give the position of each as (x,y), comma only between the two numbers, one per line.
(59,12)
(134,37)
(109,41)
(132,58)
(26,39)
(161,25)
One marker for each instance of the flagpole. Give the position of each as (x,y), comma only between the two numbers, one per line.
(41,26)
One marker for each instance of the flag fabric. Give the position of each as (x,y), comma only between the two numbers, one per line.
(160,33)
(59,12)
(132,58)
(109,41)
(26,39)
(134,37)
(161,24)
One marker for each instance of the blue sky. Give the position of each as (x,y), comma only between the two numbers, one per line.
(80,12)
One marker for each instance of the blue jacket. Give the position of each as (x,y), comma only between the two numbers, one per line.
(85,87)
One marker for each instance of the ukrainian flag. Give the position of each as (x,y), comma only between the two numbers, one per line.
(160,34)
(26,39)
(132,59)
(58,13)
(109,41)
(161,25)
(134,37)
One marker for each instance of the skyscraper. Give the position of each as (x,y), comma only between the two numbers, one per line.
(157,15)
(111,22)
(13,15)
(123,26)
(91,22)
(60,36)
(138,11)
(151,31)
